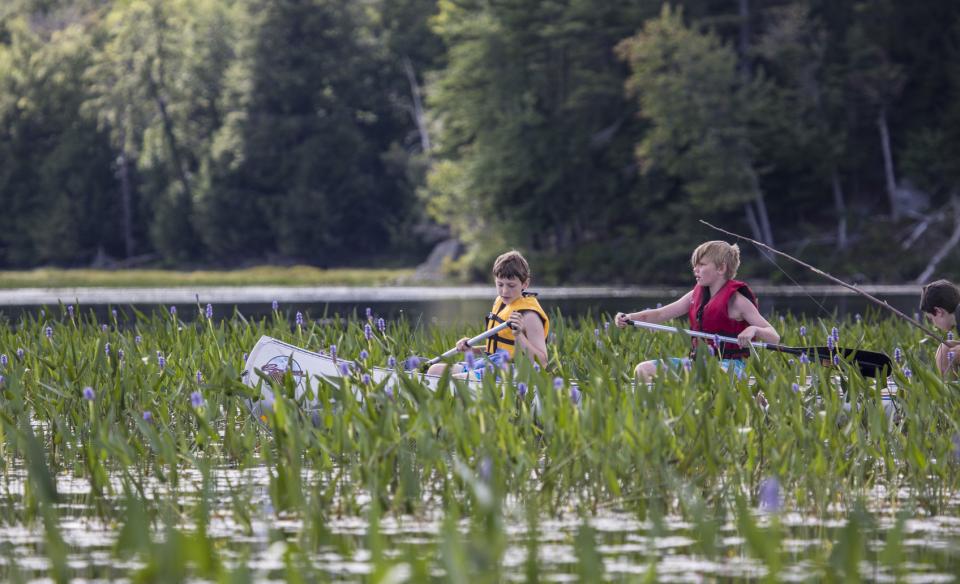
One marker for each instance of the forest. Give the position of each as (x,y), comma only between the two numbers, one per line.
(591,135)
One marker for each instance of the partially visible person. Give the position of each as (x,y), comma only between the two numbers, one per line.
(939,302)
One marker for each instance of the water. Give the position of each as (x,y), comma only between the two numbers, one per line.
(473,306)
(625,546)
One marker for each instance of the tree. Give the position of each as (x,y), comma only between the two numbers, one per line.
(699,110)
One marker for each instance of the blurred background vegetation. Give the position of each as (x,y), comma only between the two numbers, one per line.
(590,134)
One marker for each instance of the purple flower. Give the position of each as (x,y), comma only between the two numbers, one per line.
(769,495)
(20,354)
(106,349)
(857,317)
(791,361)
(104,328)
(795,387)
(49,332)
(659,304)
(245,356)
(596,332)
(161,362)
(365,379)
(536,367)
(147,416)
(836,359)
(557,382)
(333,352)
(830,343)
(120,354)
(367,332)
(898,355)
(803,331)
(521,389)
(388,390)
(114,313)
(199,377)
(606,326)
(88,394)
(3,360)
(804,359)
(364,354)
(782,319)
(471,359)
(381,325)
(275,306)
(299,318)
(173,311)
(391,362)
(70,310)
(906,372)
(344,368)
(196,399)
(369,313)
(949,335)
(2,379)
(137,339)
(575,395)
(599,344)
(687,364)
(486,469)
(411,363)
(209,311)
(835,333)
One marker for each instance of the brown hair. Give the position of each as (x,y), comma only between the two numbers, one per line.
(511,265)
(718,252)
(940,294)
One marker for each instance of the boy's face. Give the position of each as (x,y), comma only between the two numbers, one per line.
(708,273)
(510,288)
(942,319)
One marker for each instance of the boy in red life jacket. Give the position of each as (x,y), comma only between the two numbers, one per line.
(717,304)
(940,302)
(529,323)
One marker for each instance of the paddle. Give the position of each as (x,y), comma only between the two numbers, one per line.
(870,363)
(481,337)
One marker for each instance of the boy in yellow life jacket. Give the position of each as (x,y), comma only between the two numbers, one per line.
(529,323)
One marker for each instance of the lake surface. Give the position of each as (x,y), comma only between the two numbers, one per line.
(625,548)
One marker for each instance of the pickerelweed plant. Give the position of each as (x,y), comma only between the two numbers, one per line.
(153,446)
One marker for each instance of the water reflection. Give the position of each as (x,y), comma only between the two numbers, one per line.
(626,547)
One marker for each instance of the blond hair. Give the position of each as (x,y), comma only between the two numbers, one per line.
(511,265)
(720,253)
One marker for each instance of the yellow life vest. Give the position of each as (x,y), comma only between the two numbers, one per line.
(501,313)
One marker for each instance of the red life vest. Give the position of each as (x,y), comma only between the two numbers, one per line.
(711,315)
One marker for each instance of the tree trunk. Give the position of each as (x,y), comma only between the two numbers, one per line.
(841,208)
(743,42)
(123,173)
(762,217)
(888,171)
(418,115)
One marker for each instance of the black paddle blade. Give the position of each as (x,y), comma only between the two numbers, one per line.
(870,363)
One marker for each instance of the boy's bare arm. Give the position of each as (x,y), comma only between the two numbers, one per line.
(529,335)
(944,363)
(673,310)
(757,327)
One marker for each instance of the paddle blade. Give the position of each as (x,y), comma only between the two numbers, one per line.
(870,363)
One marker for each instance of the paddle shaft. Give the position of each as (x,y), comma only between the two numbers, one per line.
(481,337)
(702,335)
(869,362)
